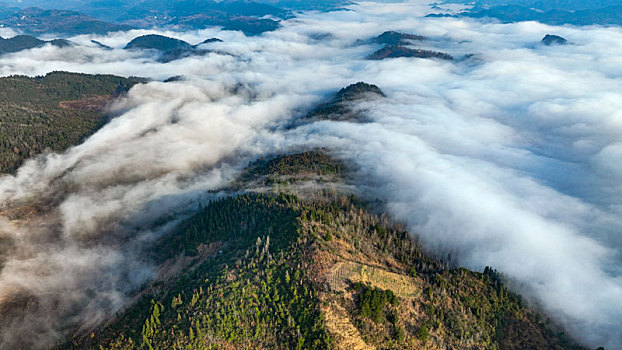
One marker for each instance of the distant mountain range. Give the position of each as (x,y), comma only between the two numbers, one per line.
(157,42)
(609,15)
(309,5)
(39,21)
(544,5)
(74,17)
(168,49)
(110,10)
(250,17)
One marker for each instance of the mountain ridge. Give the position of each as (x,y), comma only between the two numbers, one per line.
(291,255)
(25,42)
(170,49)
(315,273)
(252,18)
(610,15)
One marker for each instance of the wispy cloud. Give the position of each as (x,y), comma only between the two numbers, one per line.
(508,158)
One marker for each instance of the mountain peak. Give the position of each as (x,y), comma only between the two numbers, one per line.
(392,37)
(342,106)
(157,42)
(25,42)
(358,91)
(211,40)
(550,40)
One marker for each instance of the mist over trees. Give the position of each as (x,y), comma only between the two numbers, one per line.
(52,112)
(254,171)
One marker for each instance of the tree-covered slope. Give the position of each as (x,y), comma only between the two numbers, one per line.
(51,112)
(25,42)
(396,38)
(157,42)
(343,105)
(170,49)
(269,270)
(397,51)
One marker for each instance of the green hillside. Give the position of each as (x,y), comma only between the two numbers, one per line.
(396,38)
(341,106)
(397,51)
(52,112)
(157,42)
(25,42)
(270,270)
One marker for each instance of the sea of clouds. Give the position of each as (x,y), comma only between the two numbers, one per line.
(508,156)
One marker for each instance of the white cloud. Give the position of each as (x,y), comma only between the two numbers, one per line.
(510,160)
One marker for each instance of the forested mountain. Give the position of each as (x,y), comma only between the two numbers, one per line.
(342,106)
(396,51)
(396,38)
(554,15)
(169,49)
(24,42)
(398,44)
(157,42)
(550,40)
(267,269)
(52,112)
(288,257)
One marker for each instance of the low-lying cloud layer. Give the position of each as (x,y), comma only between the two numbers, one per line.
(508,158)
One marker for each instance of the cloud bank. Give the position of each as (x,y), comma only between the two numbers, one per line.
(508,158)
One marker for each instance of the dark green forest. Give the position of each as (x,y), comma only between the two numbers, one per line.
(340,105)
(396,51)
(52,112)
(24,42)
(250,292)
